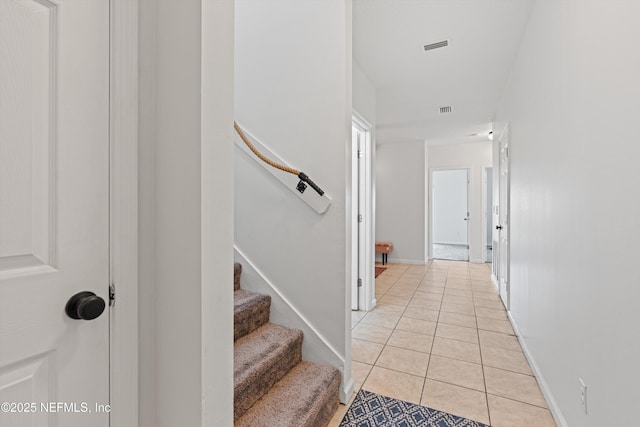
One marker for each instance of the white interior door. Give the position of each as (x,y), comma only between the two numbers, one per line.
(356,282)
(54,211)
(450,213)
(503,217)
(363,288)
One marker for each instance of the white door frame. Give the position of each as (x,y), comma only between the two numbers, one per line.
(366,296)
(123,99)
(431,206)
(504,283)
(486,220)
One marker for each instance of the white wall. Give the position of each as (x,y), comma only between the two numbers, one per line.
(293,92)
(475,156)
(186,213)
(450,204)
(573,105)
(400,199)
(364,95)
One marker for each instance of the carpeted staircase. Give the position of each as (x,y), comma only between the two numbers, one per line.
(273,386)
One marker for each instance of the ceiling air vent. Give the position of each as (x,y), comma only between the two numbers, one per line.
(446,109)
(436,45)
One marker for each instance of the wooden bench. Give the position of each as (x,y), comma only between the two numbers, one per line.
(384,248)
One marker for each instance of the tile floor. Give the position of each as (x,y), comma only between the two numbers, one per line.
(450,252)
(440,337)
(456,252)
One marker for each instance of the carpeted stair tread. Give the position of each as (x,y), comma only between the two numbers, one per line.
(237,271)
(261,359)
(306,397)
(250,311)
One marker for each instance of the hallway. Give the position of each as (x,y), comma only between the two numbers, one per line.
(439,337)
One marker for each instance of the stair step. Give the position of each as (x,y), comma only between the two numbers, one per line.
(261,359)
(306,397)
(251,310)
(237,271)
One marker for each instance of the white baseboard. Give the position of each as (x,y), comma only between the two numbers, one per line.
(371,305)
(544,387)
(346,391)
(477,261)
(315,347)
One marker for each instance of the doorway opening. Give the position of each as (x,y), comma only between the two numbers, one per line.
(450,214)
(362,283)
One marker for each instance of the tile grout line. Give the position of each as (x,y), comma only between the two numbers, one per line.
(385,343)
(484,376)
(435,331)
(518,401)
(388,338)
(383,346)
(420,281)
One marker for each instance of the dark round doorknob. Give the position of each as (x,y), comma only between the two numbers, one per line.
(498,227)
(85,305)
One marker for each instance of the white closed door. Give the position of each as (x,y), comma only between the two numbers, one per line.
(450,214)
(503,220)
(357,237)
(54,212)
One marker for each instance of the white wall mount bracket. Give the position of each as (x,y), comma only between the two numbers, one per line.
(318,203)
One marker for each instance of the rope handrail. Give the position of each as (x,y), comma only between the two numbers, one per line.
(304,178)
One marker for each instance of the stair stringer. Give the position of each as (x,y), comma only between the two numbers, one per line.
(315,346)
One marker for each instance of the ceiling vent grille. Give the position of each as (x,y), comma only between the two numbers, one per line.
(446,109)
(436,45)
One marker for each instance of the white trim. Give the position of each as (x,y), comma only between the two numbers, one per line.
(347,390)
(505,257)
(367,295)
(494,280)
(554,408)
(485,218)
(123,99)
(252,274)
(351,211)
(277,291)
(428,248)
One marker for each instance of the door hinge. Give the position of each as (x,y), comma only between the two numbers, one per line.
(359,283)
(359,217)
(359,153)
(112,295)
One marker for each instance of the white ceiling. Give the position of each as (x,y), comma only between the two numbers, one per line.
(411,84)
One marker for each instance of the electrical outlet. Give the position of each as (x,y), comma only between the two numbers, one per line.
(583,394)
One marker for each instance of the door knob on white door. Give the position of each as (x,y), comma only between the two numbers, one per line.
(85,305)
